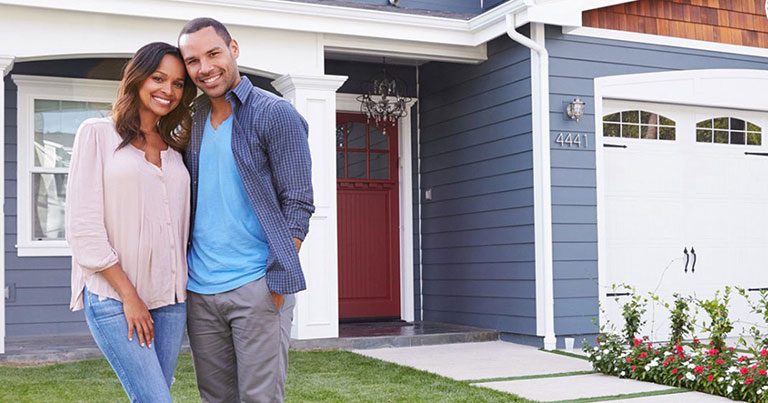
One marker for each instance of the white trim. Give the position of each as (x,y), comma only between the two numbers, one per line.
(6,64)
(56,88)
(723,88)
(349,103)
(303,17)
(413,50)
(665,41)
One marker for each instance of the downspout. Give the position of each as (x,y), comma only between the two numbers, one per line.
(542,184)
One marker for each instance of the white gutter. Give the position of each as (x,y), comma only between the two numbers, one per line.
(542,189)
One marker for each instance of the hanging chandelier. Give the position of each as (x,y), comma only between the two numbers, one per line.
(384,103)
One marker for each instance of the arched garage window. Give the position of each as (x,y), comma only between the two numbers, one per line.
(638,125)
(728,131)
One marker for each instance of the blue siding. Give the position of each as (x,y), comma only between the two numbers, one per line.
(477,231)
(574,64)
(41,303)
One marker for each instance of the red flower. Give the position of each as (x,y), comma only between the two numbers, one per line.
(744,370)
(762,371)
(748,381)
(696,341)
(699,369)
(763,352)
(666,363)
(713,352)
(743,358)
(657,352)
(650,345)
(633,367)
(681,376)
(679,349)
(598,339)
(732,349)
(754,366)
(709,366)
(710,378)
(638,342)
(674,370)
(720,362)
(642,355)
(629,359)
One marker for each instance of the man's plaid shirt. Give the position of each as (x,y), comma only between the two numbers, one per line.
(269,142)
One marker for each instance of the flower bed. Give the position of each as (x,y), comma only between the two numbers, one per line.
(694,366)
(710,367)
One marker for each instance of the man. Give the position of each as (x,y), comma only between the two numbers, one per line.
(251,202)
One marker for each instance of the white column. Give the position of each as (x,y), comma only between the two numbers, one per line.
(6,64)
(317,309)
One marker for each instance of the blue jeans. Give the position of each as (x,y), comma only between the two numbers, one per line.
(145,373)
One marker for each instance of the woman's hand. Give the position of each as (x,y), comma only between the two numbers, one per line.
(137,316)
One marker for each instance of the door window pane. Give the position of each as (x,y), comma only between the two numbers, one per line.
(379,141)
(356,165)
(356,135)
(340,135)
(379,165)
(340,165)
(48,195)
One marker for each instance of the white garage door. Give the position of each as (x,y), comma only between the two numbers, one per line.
(682,179)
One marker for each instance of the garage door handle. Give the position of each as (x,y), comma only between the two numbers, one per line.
(693,266)
(758,154)
(687,259)
(614,145)
(757,289)
(617,294)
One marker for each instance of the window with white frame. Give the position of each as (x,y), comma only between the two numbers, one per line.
(50,109)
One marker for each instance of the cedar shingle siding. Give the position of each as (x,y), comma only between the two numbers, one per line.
(737,22)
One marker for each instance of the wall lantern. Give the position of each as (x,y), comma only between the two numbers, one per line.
(575,109)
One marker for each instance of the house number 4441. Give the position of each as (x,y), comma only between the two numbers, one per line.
(571,140)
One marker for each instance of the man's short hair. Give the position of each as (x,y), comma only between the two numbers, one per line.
(203,22)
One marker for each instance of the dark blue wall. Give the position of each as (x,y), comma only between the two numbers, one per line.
(574,64)
(476,157)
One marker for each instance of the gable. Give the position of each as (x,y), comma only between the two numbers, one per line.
(736,22)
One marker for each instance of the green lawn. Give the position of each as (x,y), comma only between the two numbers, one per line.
(321,376)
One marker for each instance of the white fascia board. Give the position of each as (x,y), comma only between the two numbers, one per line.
(666,41)
(565,13)
(357,45)
(293,16)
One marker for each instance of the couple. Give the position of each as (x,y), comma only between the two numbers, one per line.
(131,212)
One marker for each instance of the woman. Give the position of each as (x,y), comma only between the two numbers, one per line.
(127,216)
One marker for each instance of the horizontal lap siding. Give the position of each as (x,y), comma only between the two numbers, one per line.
(40,285)
(574,64)
(476,157)
(738,22)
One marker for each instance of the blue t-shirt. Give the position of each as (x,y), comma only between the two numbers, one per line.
(229,248)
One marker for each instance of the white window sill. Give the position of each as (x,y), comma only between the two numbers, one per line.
(48,249)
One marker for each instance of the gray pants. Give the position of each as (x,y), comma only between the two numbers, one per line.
(239,343)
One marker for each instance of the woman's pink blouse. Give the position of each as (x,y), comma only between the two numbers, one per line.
(123,209)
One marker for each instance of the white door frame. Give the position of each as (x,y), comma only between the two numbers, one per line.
(716,88)
(348,103)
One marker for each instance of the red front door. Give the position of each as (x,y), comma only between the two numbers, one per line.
(369,245)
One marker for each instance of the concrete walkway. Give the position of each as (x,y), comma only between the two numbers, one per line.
(530,373)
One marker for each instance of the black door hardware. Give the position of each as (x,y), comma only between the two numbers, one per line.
(757,289)
(758,154)
(693,266)
(687,258)
(614,145)
(617,294)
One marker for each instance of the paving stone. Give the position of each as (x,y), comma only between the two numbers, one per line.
(573,387)
(691,397)
(480,360)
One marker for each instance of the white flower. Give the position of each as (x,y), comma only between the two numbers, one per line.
(759,392)
(647,367)
(721,379)
(598,358)
(730,389)
(764,387)
(667,353)
(690,376)
(623,373)
(691,365)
